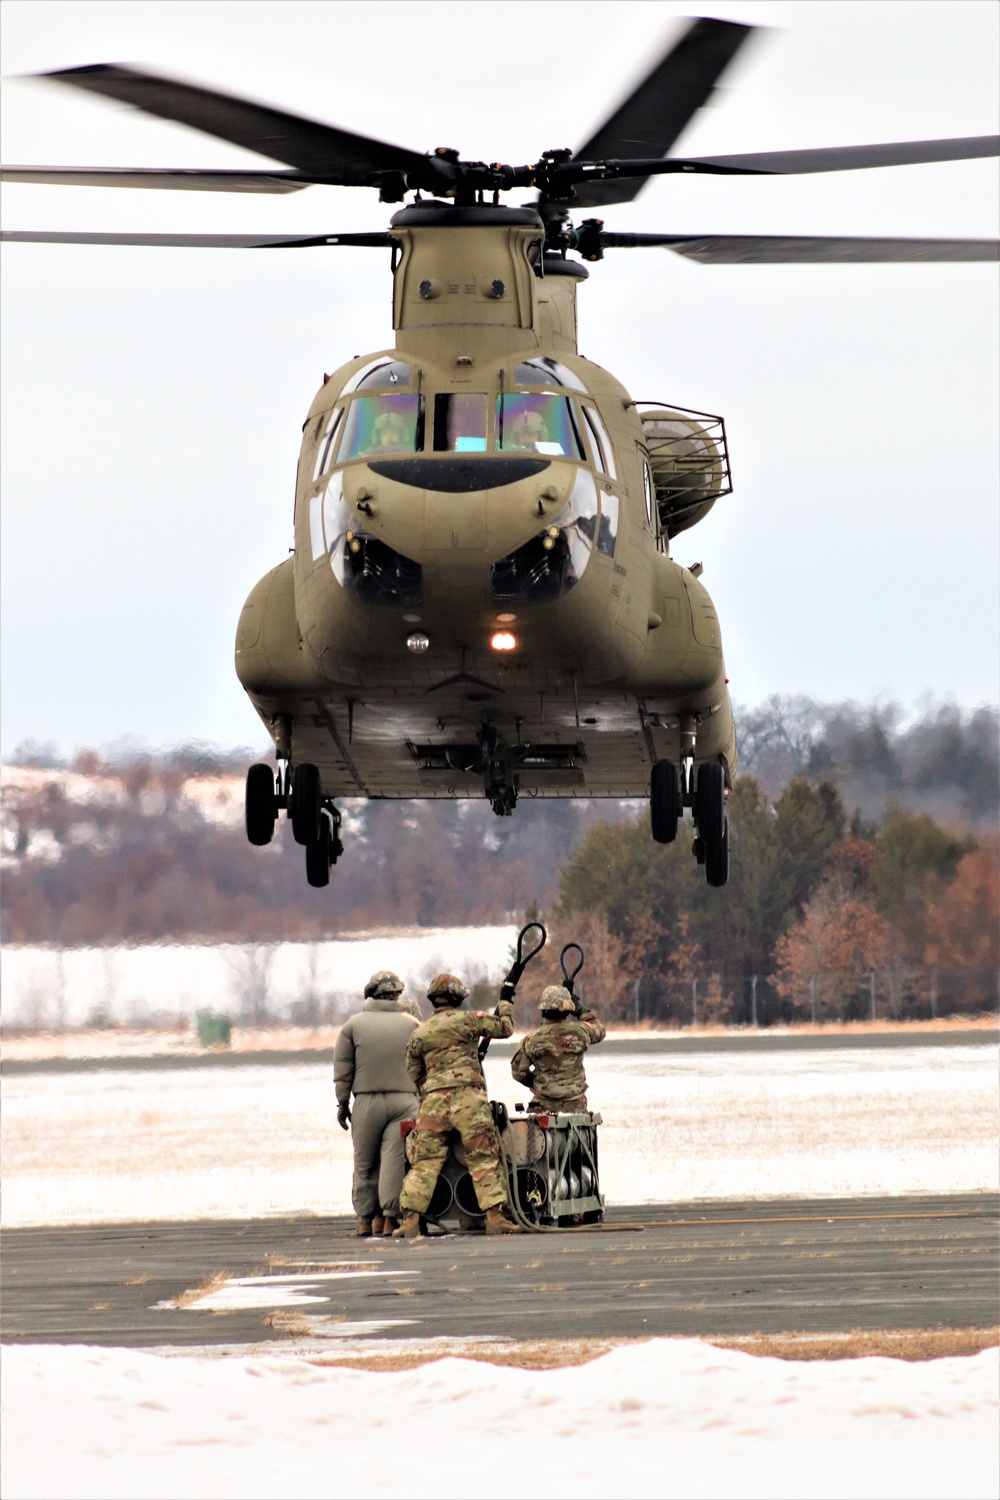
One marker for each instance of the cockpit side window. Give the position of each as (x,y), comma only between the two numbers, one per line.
(540,423)
(600,442)
(460,423)
(379,426)
(324,447)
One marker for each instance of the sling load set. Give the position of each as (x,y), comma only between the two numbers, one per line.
(482,599)
(550,1159)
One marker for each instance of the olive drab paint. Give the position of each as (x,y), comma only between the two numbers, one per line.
(609,668)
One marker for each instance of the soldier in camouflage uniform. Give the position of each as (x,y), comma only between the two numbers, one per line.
(442,1058)
(550,1060)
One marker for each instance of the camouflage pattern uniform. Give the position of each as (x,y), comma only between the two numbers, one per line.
(550,1060)
(442,1058)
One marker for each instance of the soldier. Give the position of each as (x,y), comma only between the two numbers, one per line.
(550,1060)
(369,1061)
(442,1059)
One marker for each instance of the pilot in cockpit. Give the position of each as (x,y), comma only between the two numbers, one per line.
(526,431)
(388,431)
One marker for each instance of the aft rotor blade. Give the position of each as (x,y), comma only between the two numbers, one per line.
(199,241)
(851,158)
(339,156)
(654,114)
(222,181)
(747,249)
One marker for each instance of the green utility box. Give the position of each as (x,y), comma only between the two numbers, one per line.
(213,1030)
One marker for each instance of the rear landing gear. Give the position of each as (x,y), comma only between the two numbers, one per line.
(261,804)
(669,793)
(664,801)
(323,852)
(315,820)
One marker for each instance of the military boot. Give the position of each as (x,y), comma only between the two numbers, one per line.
(378,1224)
(497,1222)
(389,1225)
(364,1229)
(409,1229)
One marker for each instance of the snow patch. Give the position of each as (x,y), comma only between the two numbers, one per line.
(664,1418)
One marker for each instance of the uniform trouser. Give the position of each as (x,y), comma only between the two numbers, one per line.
(541,1106)
(379,1158)
(465,1111)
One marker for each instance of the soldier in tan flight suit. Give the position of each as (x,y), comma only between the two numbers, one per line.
(369,1061)
(550,1060)
(442,1059)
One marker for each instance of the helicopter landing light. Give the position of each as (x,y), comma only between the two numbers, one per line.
(503,641)
(506,619)
(417,642)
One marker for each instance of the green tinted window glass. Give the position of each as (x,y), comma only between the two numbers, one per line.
(537,424)
(378,426)
(460,424)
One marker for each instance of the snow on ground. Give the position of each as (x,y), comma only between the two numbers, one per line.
(244,1141)
(66,986)
(664,1418)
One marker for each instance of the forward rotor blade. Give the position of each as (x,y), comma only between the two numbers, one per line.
(653,116)
(199,241)
(747,249)
(159,177)
(337,155)
(850,158)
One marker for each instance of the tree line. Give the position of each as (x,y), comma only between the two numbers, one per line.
(863,854)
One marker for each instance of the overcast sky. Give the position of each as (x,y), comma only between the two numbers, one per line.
(153,399)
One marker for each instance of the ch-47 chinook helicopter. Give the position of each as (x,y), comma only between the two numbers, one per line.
(482,597)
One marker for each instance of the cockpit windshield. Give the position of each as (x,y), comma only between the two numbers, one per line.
(527,423)
(378,426)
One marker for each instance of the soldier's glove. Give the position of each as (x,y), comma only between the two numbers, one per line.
(343,1116)
(578,1008)
(507,991)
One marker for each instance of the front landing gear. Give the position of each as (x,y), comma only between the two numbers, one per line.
(669,793)
(315,820)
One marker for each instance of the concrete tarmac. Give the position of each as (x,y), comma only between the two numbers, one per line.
(699,1269)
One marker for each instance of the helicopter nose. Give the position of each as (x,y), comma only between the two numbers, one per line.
(453,513)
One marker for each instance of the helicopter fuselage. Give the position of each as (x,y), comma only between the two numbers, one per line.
(480,570)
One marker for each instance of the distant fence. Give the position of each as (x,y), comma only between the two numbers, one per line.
(760,1000)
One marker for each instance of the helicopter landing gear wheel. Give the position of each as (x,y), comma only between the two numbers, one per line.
(717,859)
(261,804)
(664,801)
(306,804)
(710,801)
(319,855)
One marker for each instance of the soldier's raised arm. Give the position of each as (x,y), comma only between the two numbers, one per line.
(592,1026)
(500,1024)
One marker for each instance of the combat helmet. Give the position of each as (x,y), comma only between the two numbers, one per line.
(383,985)
(446,989)
(556,999)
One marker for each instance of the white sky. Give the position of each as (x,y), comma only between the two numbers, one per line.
(152,400)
